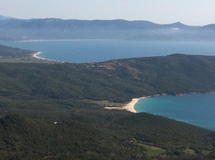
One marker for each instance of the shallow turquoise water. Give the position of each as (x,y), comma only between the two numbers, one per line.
(197,109)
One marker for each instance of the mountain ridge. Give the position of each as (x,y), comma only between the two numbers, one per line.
(55,28)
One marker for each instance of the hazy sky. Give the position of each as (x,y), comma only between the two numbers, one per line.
(191,12)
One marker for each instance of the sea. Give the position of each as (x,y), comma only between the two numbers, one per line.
(196,109)
(82,51)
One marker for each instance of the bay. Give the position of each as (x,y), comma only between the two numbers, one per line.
(196,109)
(81,51)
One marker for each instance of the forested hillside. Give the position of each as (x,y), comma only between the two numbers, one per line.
(103,134)
(124,79)
(13,52)
(56,110)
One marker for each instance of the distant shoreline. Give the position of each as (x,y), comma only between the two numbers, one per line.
(35,55)
(129,106)
(59,40)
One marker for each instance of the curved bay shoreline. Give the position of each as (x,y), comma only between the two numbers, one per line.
(36,55)
(129,106)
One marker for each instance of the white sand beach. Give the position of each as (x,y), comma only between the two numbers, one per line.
(129,107)
(35,55)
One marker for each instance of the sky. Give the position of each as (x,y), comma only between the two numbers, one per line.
(190,12)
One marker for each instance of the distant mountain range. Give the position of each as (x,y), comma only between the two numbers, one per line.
(52,28)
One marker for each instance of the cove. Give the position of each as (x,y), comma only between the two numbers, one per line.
(196,109)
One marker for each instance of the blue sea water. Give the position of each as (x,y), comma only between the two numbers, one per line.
(81,51)
(196,109)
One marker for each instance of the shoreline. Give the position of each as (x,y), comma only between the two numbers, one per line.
(58,40)
(35,55)
(129,106)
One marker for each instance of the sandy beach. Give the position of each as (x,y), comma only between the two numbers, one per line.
(128,107)
(35,55)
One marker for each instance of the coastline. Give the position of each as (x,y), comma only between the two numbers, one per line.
(35,55)
(129,106)
(58,40)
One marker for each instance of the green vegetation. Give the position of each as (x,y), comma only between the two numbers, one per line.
(115,81)
(13,52)
(16,55)
(95,134)
(33,96)
(153,151)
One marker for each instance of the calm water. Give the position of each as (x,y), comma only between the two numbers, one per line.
(197,109)
(80,51)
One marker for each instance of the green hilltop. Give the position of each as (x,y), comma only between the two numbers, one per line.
(56,110)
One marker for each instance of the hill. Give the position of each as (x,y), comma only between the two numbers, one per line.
(124,79)
(13,52)
(17,55)
(95,134)
(52,28)
(56,111)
